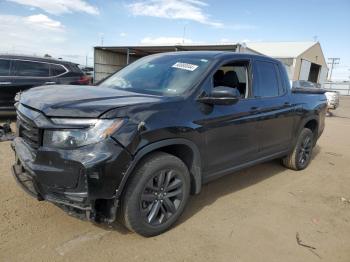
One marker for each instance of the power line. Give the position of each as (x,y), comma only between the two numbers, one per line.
(333,61)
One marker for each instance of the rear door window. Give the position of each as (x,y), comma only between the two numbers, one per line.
(74,70)
(266,84)
(31,68)
(5,67)
(57,70)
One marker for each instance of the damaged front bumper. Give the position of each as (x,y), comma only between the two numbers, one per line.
(83,182)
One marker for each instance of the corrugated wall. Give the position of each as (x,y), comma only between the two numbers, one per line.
(106,63)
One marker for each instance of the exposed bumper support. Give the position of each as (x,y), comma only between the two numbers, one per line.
(95,169)
(29,185)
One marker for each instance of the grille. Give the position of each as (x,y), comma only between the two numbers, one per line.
(28,131)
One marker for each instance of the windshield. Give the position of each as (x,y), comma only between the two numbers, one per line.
(168,75)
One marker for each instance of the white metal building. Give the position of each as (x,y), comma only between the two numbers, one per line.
(303,60)
(108,59)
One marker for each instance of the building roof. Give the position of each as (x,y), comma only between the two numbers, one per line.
(144,50)
(281,49)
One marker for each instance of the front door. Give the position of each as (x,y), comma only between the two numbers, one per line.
(229,131)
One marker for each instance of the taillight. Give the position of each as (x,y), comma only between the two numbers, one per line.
(84,80)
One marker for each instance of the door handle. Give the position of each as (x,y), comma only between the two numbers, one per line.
(286,104)
(50,83)
(5,83)
(254,108)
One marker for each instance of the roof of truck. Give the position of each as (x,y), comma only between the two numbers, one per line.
(219,54)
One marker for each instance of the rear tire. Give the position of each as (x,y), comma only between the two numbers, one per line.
(299,158)
(156,194)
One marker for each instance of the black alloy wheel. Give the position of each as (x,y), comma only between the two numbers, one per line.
(300,157)
(156,194)
(161,197)
(305,151)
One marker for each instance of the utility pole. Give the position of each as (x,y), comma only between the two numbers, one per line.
(101,38)
(349,83)
(332,61)
(183,35)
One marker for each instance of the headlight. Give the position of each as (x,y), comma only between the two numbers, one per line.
(95,131)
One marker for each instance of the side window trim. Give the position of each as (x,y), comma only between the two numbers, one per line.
(65,69)
(13,68)
(281,89)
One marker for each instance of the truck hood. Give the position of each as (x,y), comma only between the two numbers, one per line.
(81,101)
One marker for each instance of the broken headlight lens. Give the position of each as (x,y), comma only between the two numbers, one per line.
(94,131)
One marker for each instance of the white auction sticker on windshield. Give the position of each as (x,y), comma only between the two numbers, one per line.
(185,66)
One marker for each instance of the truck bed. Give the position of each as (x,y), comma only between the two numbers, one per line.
(308,90)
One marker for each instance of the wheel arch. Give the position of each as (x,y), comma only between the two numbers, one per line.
(184,149)
(311,123)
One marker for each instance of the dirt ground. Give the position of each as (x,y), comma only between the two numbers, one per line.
(253,215)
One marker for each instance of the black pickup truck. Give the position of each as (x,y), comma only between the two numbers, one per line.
(138,144)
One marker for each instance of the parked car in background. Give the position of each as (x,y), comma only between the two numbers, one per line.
(19,73)
(332,96)
(304,84)
(89,71)
(332,99)
(140,142)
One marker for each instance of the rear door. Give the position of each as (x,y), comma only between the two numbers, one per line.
(28,74)
(5,84)
(273,105)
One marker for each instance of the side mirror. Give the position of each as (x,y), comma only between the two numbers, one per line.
(221,95)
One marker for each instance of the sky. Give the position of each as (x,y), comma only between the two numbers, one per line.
(71,28)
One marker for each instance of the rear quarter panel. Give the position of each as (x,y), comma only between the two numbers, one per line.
(309,107)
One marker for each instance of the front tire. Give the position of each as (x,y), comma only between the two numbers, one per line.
(300,157)
(156,194)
